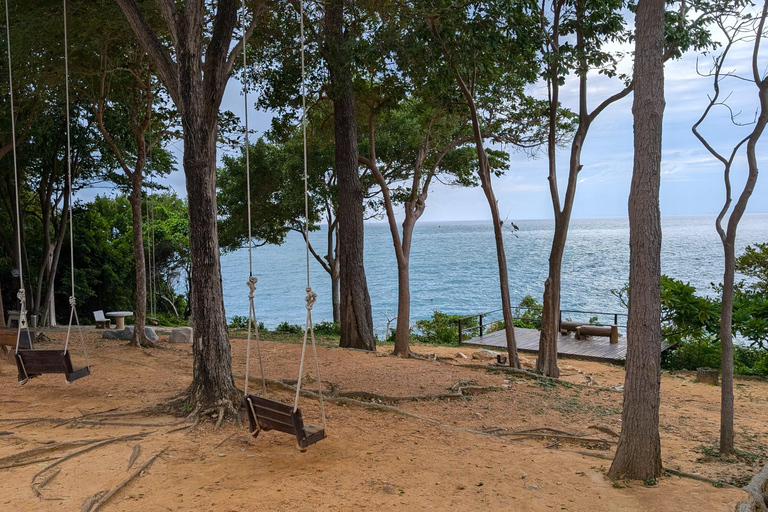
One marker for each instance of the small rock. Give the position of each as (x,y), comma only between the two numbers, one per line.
(181,335)
(127,334)
(222,455)
(460,355)
(484,354)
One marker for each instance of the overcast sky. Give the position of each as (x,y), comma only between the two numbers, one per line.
(692,181)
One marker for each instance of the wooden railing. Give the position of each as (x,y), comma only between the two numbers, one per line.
(462,322)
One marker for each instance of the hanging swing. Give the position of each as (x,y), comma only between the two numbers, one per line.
(29,361)
(265,413)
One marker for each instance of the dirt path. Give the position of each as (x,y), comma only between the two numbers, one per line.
(372,459)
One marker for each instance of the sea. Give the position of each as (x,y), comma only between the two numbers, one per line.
(454,268)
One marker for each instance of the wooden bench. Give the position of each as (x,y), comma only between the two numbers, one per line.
(266,414)
(8,341)
(610,331)
(566,327)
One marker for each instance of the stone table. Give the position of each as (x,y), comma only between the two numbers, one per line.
(119,317)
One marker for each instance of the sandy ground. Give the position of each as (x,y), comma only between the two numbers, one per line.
(373,459)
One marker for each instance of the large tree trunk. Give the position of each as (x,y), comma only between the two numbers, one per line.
(638,455)
(140,314)
(355,303)
(196,78)
(212,385)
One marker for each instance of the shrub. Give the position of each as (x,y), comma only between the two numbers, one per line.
(441,329)
(328,329)
(289,328)
(529,311)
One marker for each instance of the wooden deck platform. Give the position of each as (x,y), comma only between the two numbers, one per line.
(595,348)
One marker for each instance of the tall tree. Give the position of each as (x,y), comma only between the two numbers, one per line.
(194,68)
(595,25)
(487,52)
(356,319)
(123,99)
(737,26)
(638,455)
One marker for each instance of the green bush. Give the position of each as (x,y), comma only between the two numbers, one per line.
(441,329)
(690,354)
(289,328)
(328,329)
(238,322)
(241,322)
(529,313)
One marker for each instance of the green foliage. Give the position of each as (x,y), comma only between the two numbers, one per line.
(754,264)
(441,329)
(529,314)
(327,329)
(241,323)
(289,328)
(690,354)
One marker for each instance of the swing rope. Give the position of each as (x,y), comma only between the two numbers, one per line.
(252,280)
(21,294)
(72,299)
(311,296)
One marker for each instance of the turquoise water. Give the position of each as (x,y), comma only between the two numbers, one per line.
(454,269)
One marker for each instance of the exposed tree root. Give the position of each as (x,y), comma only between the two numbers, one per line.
(218,411)
(532,375)
(134,455)
(125,482)
(28,462)
(18,457)
(92,447)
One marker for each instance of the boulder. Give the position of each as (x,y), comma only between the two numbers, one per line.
(484,354)
(127,334)
(181,335)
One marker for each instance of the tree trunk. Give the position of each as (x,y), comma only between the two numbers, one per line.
(546,362)
(335,296)
(506,303)
(726,351)
(213,385)
(355,303)
(140,313)
(638,455)
(403,328)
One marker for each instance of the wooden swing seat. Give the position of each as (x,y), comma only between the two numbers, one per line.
(32,363)
(266,414)
(8,341)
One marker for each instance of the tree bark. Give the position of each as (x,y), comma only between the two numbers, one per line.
(356,319)
(638,455)
(140,315)
(195,79)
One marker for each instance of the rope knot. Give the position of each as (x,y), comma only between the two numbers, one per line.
(310,298)
(72,301)
(252,285)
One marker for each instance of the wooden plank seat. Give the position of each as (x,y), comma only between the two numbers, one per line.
(566,327)
(8,341)
(610,331)
(32,363)
(266,414)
